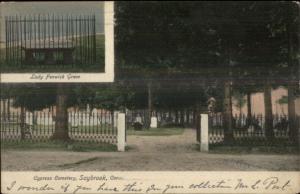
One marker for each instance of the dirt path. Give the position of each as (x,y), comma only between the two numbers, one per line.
(164,144)
(152,153)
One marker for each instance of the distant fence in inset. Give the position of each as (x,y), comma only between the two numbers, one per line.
(41,36)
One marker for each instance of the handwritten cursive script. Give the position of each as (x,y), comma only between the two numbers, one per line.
(102,184)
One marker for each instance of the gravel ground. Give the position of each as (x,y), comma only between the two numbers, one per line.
(148,153)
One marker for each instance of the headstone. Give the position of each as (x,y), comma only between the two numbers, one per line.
(94,111)
(88,108)
(29,118)
(153,123)
(138,119)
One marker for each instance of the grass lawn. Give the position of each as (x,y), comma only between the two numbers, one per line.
(254,149)
(58,145)
(156,131)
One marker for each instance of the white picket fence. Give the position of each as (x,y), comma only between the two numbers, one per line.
(74,118)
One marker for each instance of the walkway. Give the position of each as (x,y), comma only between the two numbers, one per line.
(150,153)
(184,143)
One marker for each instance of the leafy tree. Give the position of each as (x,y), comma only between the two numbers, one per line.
(34,97)
(232,41)
(112,97)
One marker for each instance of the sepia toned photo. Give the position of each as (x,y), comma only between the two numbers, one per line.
(172,97)
(40,39)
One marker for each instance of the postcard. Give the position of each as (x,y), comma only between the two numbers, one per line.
(149,97)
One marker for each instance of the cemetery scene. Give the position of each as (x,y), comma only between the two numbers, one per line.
(51,41)
(198,86)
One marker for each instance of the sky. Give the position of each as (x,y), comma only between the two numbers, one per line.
(57,8)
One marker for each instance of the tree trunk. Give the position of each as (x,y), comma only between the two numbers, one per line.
(112,114)
(293,129)
(187,112)
(34,118)
(293,125)
(8,109)
(170,115)
(149,105)
(227,113)
(249,111)
(194,116)
(268,111)
(61,121)
(4,109)
(22,121)
(182,117)
(176,117)
(241,115)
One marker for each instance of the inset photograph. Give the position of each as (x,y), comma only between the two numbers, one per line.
(39,37)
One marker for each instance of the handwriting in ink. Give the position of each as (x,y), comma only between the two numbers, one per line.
(240,185)
(152,188)
(273,183)
(103,187)
(170,187)
(32,188)
(208,185)
(132,187)
(81,188)
(65,187)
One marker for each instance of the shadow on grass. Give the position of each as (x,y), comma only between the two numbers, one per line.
(244,148)
(254,149)
(71,165)
(156,131)
(58,146)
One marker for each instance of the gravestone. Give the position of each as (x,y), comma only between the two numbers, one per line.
(29,118)
(153,123)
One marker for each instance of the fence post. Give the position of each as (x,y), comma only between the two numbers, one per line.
(121,132)
(204,137)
